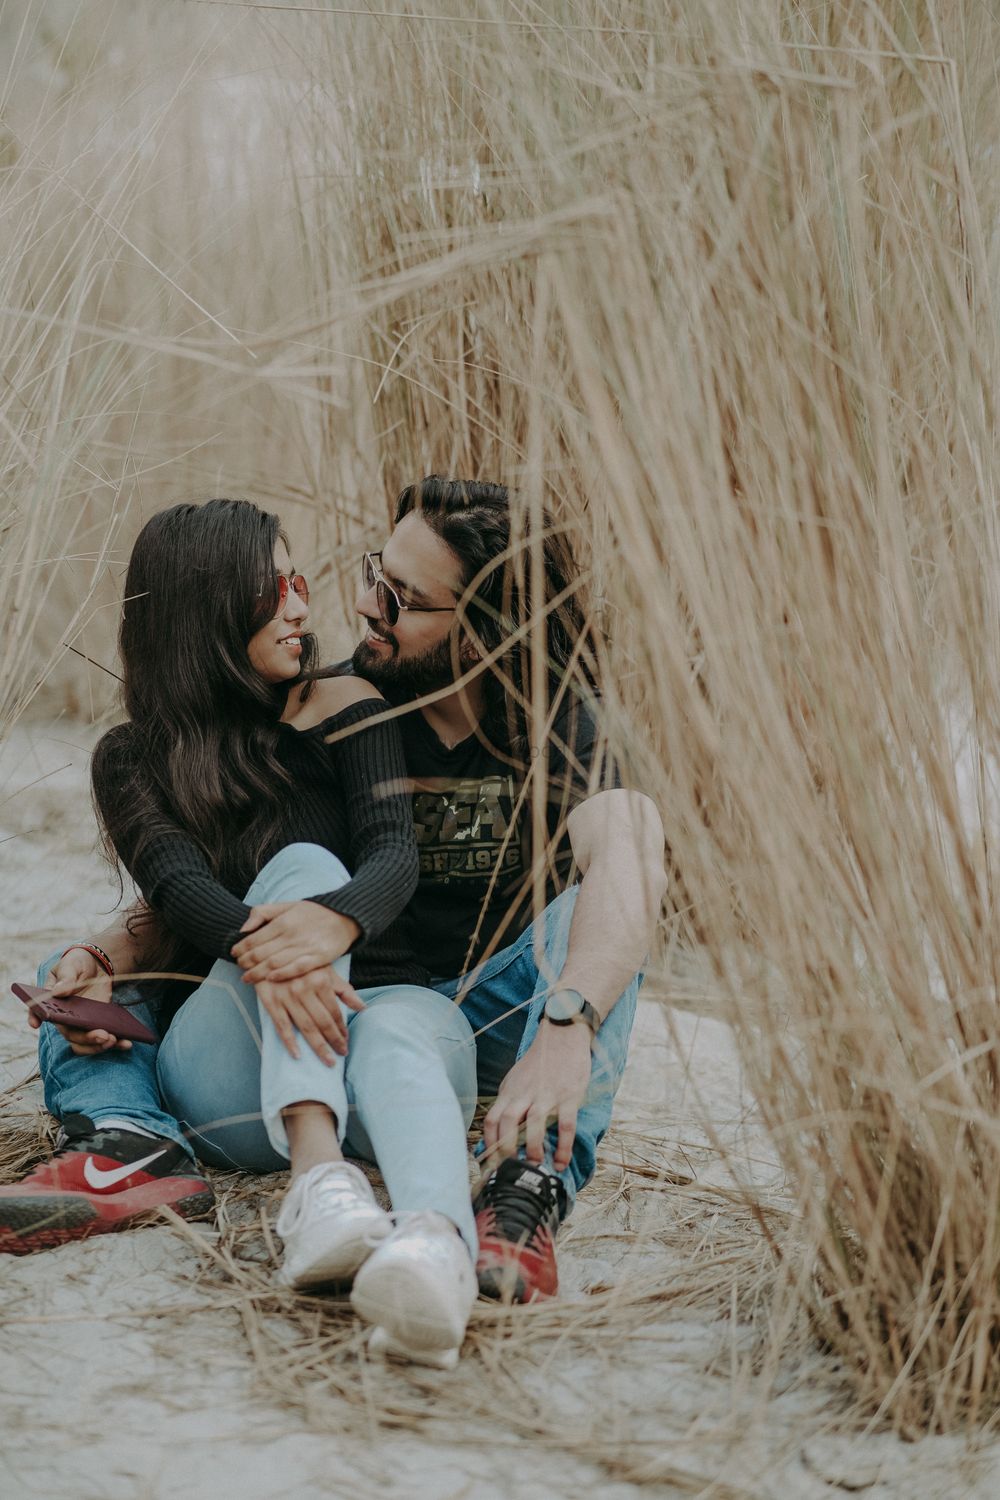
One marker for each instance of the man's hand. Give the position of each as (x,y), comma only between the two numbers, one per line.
(550,1080)
(287,939)
(311,1003)
(79,973)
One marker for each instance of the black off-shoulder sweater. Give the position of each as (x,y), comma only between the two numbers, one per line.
(348,793)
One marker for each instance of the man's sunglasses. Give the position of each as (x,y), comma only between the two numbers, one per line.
(390,605)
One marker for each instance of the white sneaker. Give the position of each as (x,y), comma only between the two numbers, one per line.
(418,1289)
(330,1224)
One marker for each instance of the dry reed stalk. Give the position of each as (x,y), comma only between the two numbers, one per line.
(717,283)
(720,286)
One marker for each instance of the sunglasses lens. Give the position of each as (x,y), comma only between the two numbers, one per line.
(301,588)
(388,605)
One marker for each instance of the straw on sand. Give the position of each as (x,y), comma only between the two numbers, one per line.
(716,283)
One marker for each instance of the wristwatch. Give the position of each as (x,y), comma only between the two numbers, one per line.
(563,1007)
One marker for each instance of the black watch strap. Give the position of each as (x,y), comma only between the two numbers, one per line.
(583,1011)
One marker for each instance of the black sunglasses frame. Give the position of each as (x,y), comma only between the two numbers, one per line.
(390,605)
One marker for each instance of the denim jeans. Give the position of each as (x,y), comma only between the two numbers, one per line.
(403,1097)
(503,1001)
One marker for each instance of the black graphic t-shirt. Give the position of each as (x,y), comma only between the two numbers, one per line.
(474,816)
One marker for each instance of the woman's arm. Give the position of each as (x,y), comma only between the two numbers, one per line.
(366,762)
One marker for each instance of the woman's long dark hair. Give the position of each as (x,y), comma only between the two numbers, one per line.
(203,724)
(474,518)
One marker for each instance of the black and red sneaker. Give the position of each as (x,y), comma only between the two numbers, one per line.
(97,1181)
(517,1214)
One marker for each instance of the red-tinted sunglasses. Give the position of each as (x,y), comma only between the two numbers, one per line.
(296,582)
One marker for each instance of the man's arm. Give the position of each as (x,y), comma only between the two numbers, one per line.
(618,843)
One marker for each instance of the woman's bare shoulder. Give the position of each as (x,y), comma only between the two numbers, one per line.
(329,696)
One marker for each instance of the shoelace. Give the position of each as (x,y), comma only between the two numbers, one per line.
(324,1189)
(521,1213)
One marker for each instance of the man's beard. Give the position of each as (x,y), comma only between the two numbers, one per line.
(425,673)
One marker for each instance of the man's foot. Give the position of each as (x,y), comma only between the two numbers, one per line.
(330,1224)
(517,1215)
(98,1180)
(417,1291)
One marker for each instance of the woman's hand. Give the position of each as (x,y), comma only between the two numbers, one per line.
(311,1003)
(79,973)
(287,939)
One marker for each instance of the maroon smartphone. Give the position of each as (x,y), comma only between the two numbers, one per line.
(86,1015)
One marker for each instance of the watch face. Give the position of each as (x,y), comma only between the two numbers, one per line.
(564,1005)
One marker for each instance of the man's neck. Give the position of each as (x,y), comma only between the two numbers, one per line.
(458,715)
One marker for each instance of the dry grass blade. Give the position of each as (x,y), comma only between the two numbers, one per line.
(718,285)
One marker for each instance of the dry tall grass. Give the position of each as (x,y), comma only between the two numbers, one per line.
(717,282)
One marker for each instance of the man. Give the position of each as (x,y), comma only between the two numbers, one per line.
(510,798)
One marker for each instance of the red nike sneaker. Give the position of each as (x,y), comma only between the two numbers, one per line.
(517,1216)
(98,1180)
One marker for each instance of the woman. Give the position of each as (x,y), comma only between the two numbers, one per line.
(238,802)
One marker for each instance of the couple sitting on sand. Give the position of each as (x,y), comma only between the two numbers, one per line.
(354,870)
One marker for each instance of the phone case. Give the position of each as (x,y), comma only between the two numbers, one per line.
(77,1010)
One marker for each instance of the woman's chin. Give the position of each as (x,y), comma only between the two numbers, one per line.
(275,674)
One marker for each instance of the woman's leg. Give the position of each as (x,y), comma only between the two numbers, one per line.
(248,1103)
(224,1069)
(411,1086)
(411,1080)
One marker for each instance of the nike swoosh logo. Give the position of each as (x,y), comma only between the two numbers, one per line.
(98,1178)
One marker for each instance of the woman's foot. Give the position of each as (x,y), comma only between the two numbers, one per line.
(417,1290)
(330,1224)
(100,1179)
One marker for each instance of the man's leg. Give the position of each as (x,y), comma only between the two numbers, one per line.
(119,1086)
(521,1204)
(120,1153)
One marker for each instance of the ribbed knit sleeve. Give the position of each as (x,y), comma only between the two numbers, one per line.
(177,883)
(170,870)
(367,768)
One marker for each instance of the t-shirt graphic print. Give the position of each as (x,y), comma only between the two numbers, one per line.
(465,828)
(473,816)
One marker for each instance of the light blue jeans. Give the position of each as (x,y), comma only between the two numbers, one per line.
(503,1001)
(220,1077)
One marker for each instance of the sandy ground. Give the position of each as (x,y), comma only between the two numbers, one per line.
(162,1362)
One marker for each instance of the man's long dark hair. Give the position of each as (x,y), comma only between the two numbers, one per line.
(475,519)
(203,724)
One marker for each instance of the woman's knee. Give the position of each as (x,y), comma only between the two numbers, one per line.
(413,1017)
(296,872)
(392,1044)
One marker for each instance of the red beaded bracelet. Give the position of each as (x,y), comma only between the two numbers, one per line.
(95,952)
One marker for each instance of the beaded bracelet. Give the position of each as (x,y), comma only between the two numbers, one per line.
(95,952)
